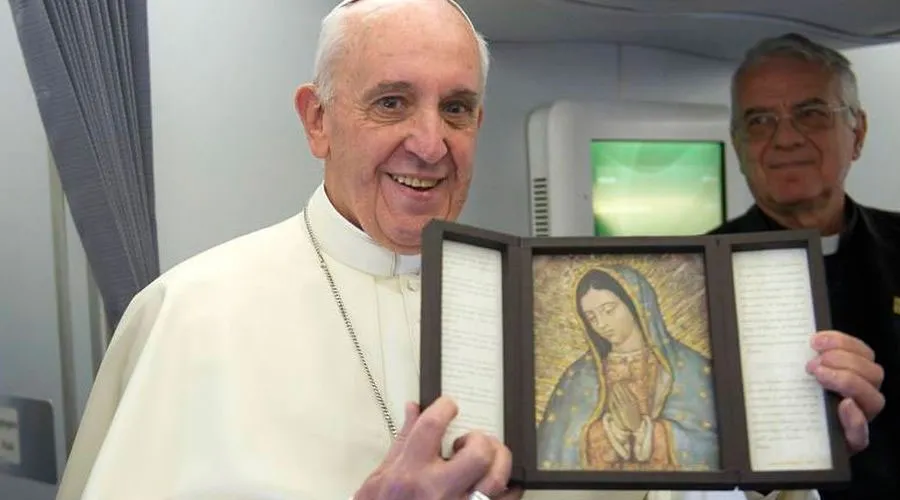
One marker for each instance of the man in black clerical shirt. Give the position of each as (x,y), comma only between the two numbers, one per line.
(797,127)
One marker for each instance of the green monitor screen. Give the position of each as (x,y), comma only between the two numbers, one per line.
(657,188)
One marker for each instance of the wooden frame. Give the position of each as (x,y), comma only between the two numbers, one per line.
(686,450)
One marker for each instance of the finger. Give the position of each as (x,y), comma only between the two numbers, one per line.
(850,385)
(467,466)
(832,339)
(632,399)
(623,395)
(459,442)
(845,360)
(411,413)
(424,441)
(497,478)
(512,494)
(613,396)
(617,408)
(620,422)
(623,413)
(856,428)
(617,392)
(614,415)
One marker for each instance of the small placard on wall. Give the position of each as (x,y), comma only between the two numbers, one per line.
(9,436)
(27,439)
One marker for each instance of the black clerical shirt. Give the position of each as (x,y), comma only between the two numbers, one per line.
(863,277)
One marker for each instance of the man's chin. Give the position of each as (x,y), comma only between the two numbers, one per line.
(795,204)
(404,236)
(405,241)
(404,246)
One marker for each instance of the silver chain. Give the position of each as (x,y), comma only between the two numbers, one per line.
(349,325)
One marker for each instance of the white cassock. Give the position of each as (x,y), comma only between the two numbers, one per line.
(233,375)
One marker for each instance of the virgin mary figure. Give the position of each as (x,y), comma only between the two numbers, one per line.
(637,399)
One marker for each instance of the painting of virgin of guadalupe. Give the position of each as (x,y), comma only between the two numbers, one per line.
(637,398)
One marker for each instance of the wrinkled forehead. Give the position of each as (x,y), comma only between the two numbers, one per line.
(414,48)
(784,82)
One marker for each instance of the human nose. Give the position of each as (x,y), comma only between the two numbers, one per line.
(786,134)
(426,137)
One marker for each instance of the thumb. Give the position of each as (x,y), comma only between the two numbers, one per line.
(514,493)
(411,414)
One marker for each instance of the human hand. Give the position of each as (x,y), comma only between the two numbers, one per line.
(414,469)
(501,469)
(846,365)
(625,408)
(643,440)
(619,438)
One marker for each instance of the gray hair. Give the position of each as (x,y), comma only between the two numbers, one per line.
(333,36)
(799,47)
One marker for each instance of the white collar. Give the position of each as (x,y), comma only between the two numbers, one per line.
(350,245)
(830,244)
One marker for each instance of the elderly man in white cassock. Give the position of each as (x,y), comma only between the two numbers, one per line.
(282,364)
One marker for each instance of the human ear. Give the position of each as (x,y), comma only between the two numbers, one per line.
(312,113)
(859,133)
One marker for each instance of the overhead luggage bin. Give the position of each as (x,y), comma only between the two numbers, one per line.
(721,29)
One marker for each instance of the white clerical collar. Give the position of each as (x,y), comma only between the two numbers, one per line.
(351,246)
(830,244)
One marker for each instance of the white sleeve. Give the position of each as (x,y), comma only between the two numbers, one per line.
(115,372)
(733,495)
(786,495)
(697,495)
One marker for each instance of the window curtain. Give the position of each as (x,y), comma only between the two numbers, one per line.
(89,67)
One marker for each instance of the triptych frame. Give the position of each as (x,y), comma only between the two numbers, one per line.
(634,363)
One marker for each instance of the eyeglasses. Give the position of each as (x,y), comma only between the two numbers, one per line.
(805,118)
